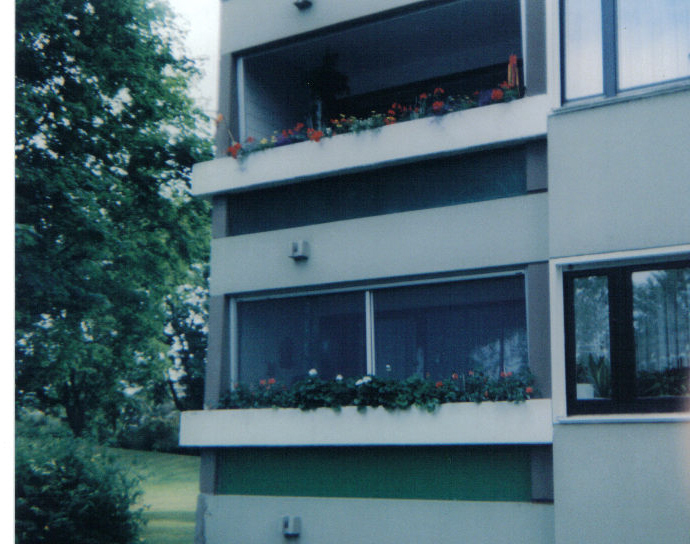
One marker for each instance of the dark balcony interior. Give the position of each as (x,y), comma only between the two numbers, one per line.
(462,46)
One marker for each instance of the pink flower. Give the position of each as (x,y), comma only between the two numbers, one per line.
(271,381)
(455,376)
(529,390)
(439,384)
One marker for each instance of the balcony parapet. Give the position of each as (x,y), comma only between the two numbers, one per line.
(468,130)
(502,422)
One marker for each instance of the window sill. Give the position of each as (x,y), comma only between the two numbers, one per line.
(473,129)
(680,417)
(451,424)
(599,101)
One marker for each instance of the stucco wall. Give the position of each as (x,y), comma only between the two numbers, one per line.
(619,176)
(468,236)
(236,519)
(624,482)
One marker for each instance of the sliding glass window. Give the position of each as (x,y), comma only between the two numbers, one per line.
(426,330)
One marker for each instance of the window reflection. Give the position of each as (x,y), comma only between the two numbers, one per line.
(583,49)
(592,337)
(653,41)
(661,321)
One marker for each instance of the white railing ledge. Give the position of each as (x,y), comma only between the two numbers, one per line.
(487,126)
(451,424)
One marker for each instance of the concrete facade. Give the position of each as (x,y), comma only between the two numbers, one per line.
(605,184)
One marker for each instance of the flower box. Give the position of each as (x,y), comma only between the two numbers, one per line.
(528,422)
(460,131)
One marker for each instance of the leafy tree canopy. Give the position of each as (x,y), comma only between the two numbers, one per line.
(106,135)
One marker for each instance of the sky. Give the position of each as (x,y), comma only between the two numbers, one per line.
(201,19)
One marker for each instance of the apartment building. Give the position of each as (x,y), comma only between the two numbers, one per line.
(428,188)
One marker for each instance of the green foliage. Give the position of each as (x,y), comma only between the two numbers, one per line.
(70,491)
(106,135)
(597,371)
(660,383)
(313,392)
(154,428)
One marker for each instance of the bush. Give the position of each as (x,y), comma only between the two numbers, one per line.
(70,491)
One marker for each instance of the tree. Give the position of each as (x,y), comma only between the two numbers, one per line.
(106,135)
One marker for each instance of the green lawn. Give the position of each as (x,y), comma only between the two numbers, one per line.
(170,485)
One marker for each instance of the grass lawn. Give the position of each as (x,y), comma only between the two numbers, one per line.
(170,484)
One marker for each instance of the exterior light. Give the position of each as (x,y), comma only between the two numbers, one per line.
(302,4)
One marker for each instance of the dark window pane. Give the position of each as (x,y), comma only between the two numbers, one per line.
(285,338)
(592,337)
(435,330)
(661,321)
(426,184)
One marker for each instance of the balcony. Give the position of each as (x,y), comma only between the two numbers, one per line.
(488,126)
(354,66)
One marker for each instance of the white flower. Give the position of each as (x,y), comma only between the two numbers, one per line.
(313,373)
(339,378)
(362,380)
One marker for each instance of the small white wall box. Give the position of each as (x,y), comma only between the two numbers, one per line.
(299,250)
(292,526)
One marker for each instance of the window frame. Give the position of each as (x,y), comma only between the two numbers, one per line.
(367,291)
(622,343)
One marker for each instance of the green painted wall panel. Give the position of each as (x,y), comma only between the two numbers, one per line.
(482,473)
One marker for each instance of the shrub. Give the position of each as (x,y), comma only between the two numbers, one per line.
(70,491)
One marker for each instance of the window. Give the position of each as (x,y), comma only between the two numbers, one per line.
(426,184)
(628,338)
(284,338)
(428,330)
(615,45)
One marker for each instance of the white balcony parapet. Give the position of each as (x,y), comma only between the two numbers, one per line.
(451,424)
(477,128)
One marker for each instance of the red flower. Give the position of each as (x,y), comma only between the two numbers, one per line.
(470,373)
(391,112)
(503,374)
(389,121)
(439,384)
(250,140)
(509,374)
(455,376)
(299,126)
(504,85)
(497,94)
(437,106)
(234,149)
(529,390)
(438,90)
(262,382)
(314,135)
(271,381)
(423,96)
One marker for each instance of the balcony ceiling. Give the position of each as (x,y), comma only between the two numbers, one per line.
(409,38)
